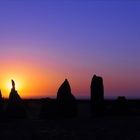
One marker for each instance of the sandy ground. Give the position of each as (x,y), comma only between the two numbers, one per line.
(109,128)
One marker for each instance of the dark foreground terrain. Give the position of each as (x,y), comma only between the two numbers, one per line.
(83,127)
(110,128)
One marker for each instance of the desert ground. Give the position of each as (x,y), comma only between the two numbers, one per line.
(83,127)
(110,128)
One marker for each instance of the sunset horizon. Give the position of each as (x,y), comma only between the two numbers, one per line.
(69,69)
(43,43)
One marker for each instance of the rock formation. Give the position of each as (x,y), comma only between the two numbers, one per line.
(0,100)
(66,101)
(1,105)
(121,106)
(97,95)
(15,107)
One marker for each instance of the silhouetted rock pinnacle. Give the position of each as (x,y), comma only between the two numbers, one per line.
(13,84)
(1,107)
(97,95)
(1,101)
(15,108)
(64,91)
(14,96)
(66,101)
(0,96)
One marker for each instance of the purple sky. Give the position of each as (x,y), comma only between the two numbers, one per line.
(74,39)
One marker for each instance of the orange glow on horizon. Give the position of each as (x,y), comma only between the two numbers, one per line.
(30,80)
(18,82)
(33,80)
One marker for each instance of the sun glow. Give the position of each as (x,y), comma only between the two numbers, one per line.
(7,84)
(31,81)
(18,85)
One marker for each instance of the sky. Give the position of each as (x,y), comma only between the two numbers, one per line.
(44,42)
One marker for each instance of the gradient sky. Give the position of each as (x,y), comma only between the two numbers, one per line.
(44,42)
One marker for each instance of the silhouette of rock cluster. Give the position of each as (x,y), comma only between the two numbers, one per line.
(15,107)
(63,106)
(97,95)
